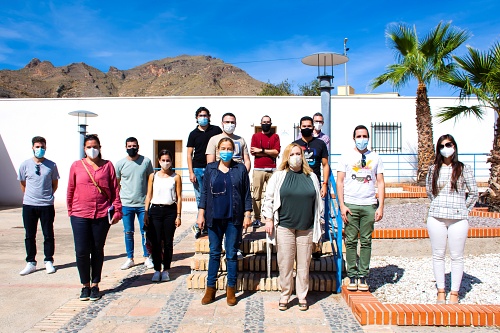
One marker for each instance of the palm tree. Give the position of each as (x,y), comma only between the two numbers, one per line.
(422,60)
(478,74)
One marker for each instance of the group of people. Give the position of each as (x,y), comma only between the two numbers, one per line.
(100,194)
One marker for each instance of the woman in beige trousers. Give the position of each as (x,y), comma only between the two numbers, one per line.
(292,211)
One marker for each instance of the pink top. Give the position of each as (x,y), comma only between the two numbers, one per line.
(83,198)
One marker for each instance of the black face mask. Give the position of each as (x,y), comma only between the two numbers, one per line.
(132,152)
(306,132)
(266,127)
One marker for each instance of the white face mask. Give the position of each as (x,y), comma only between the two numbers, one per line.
(295,161)
(165,165)
(229,128)
(318,126)
(92,152)
(447,152)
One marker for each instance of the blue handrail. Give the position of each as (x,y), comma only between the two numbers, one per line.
(334,232)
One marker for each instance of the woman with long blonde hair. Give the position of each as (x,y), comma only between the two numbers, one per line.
(292,211)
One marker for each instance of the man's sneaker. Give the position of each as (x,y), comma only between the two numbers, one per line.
(129,263)
(353,284)
(196,231)
(362,285)
(156,276)
(85,295)
(49,267)
(164,276)
(148,263)
(30,268)
(94,293)
(240,255)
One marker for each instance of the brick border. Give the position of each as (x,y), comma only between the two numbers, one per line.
(403,233)
(368,310)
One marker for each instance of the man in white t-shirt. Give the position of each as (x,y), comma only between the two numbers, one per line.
(357,172)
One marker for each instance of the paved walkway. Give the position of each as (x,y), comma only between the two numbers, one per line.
(132,303)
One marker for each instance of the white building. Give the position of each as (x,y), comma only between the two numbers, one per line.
(159,122)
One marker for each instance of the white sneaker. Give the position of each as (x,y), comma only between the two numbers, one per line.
(156,276)
(49,267)
(30,268)
(129,263)
(165,276)
(149,263)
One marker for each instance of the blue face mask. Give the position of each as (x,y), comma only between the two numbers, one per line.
(39,152)
(226,155)
(362,143)
(203,121)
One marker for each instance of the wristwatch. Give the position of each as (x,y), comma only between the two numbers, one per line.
(263,150)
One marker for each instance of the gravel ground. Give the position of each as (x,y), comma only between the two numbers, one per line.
(411,280)
(412,213)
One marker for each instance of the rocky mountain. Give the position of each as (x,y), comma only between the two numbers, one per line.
(179,76)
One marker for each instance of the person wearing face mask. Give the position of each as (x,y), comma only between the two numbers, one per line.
(132,173)
(265,148)
(315,152)
(196,159)
(446,182)
(163,214)
(38,177)
(225,208)
(292,210)
(358,170)
(241,151)
(93,202)
(318,122)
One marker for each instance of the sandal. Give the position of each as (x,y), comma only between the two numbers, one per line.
(441,301)
(454,294)
(283,306)
(303,306)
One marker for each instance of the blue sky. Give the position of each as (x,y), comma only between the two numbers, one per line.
(252,35)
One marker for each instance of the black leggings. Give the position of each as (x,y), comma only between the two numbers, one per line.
(90,236)
(162,228)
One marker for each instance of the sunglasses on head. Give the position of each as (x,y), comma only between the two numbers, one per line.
(363,160)
(37,168)
(447,145)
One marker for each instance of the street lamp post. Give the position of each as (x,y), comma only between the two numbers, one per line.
(82,126)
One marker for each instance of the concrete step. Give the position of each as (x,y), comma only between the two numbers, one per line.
(259,282)
(258,263)
(252,245)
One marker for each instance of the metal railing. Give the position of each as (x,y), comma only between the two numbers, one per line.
(402,167)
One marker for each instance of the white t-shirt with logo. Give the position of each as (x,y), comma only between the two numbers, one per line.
(359,181)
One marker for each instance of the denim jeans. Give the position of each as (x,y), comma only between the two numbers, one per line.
(46,214)
(198,186)
(90,236)
(128,218)
(360,222)
(216,234)
(161,234)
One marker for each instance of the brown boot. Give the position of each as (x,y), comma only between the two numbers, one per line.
(209,296)
(231,297)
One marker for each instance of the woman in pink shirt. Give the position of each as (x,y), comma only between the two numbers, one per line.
(93,201)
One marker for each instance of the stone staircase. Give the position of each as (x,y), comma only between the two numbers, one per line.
(252,269)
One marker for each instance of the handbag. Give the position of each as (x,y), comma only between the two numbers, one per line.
(111,209)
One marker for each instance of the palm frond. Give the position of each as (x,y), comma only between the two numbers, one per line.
(461,111)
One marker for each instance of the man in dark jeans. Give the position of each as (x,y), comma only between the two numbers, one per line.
(39,179)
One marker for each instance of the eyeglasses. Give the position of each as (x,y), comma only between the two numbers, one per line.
(363,160)
(37,168)
(447,145)
(218,193)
